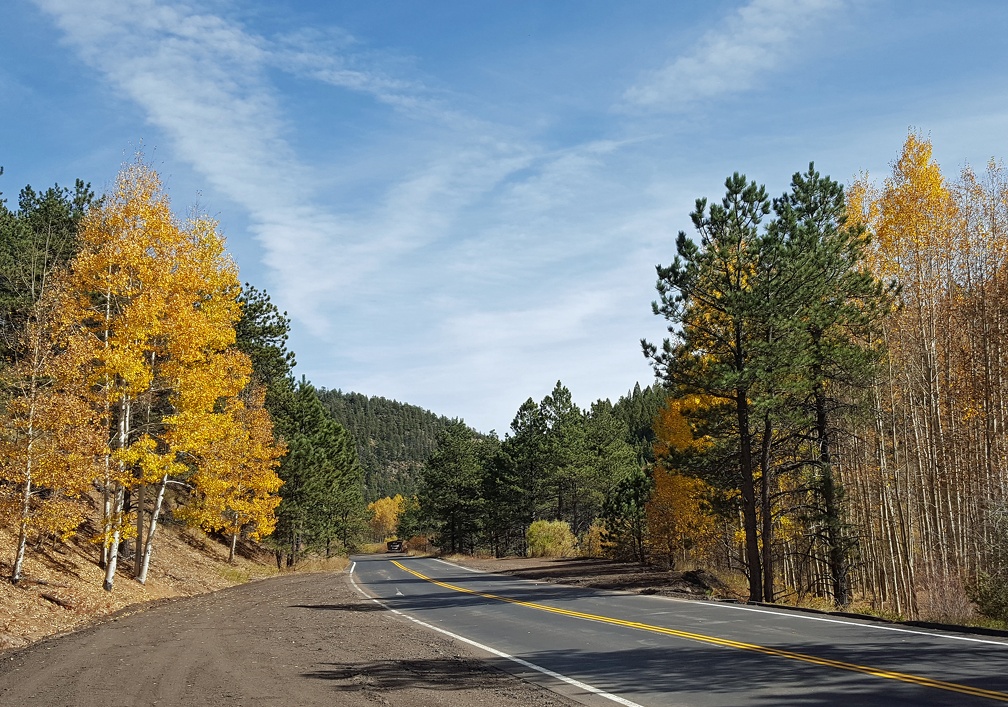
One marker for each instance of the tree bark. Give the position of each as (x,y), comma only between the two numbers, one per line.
(152,528)
(748,488)
(766,488)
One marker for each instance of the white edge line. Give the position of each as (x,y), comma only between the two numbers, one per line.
(796,615)
(524,663)
(845,622)
(460,567)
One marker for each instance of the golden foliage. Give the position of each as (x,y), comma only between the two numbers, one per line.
(679,524)
(385,513)
(49,442)
(156,299)
(235,481)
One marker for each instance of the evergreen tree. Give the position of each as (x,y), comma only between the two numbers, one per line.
(834,323)
(393,439)
(638,409)
(261,334)
(708,296)
(35,241)
(321,498)
(451,488)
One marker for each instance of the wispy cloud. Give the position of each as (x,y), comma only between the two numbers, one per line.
(204,81)
(464,249)
(753,40)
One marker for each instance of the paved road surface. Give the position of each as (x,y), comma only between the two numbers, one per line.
(658,651)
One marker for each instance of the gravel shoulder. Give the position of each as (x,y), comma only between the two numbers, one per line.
(293,640)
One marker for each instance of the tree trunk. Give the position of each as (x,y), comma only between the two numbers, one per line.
(152,528)
(25,500)
(834,523)
(748,488)
(23,529)
(766,488)
(138,554)
(113,544)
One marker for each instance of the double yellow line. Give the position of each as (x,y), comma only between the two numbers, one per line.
(728,643)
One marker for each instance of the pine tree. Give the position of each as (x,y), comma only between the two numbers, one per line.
(708,295)
(451,485)
(832,323)
(321,497)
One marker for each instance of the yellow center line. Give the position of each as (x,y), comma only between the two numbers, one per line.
(728,643)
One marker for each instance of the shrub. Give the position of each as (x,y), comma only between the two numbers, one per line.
(591,541)
(550,538)
(989,589)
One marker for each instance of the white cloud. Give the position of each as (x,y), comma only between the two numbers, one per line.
(753,40)
(478,266)
(203,80)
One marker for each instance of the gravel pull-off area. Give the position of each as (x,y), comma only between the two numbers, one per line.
(294,640)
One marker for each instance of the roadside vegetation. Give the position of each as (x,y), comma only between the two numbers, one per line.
(142,384)
(828,424)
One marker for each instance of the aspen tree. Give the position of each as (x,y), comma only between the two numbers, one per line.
(49,436)
(158,300)
(679,523)
(235,483)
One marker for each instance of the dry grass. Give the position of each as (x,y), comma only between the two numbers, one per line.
(185,562)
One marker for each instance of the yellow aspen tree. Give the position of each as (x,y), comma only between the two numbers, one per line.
(235,484)
(119,303)
(195,365)
(678,523)
(916,237)
(932,460)
(49,436)
(158,300)
(385,514)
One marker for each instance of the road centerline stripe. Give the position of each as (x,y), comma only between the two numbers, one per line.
(500,654)
(728,643)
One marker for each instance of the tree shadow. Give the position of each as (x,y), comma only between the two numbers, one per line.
(362,606)
(425,674)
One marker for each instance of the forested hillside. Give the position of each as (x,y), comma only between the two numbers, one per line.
(393,439)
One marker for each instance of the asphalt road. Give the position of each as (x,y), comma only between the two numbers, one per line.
(648,650)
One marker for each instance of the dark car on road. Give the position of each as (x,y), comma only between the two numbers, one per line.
(394,545)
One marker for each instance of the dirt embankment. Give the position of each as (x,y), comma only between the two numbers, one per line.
(61,586)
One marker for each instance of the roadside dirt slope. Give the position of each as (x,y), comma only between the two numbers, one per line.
(61,589)
(294,640)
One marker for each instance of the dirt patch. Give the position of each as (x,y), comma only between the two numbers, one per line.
(294,640)
(607,574)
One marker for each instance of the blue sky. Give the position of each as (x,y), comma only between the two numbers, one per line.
(460,203)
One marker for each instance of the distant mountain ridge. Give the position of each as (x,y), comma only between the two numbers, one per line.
(393,439)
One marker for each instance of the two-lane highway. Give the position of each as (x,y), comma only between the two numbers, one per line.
(647,650)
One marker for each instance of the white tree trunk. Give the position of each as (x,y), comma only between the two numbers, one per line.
(112,544)
(151,528)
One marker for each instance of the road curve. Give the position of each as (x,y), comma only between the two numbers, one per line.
(647,650)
